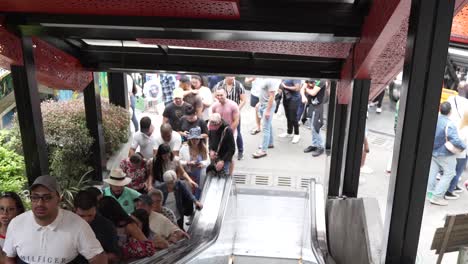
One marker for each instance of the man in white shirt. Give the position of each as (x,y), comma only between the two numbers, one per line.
(159,224)
(144,139)
(48,234)
(170,137)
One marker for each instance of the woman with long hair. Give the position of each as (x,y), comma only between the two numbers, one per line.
(10,206)
(163,161)
(131,239)
(194,157)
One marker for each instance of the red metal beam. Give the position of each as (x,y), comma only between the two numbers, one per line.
(381,51)
(383,22)
(211,9)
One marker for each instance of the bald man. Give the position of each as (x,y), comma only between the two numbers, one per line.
(170,137)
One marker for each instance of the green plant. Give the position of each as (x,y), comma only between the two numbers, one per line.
(12,172)
(68,139)
(70,187)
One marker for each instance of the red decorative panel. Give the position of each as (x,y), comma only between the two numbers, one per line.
(460,26)
(316,49)
(213,9)
(57,69)
(10,49)
(390,61)
(383,22)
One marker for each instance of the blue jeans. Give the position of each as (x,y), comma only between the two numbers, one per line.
(300,110)
(461,164)
(447,165)
(227,166)
(239,140)
(317,140)
(267,126)
(195,176)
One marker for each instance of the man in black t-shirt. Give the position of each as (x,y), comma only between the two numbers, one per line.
(174,111)
(191,120)
(85,204)
(313,94)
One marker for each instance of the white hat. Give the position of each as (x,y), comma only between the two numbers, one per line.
(117,178)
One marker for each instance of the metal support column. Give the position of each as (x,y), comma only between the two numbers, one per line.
(356,125)
(338,137)
(330,117)
(118,91)
(92,101)
(28,106)
(428,37)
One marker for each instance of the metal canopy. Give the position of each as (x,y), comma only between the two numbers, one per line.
(322,30)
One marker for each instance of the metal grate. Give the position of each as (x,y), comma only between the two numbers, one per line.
(262,180)
(304,183)
(284,181)
(240,179)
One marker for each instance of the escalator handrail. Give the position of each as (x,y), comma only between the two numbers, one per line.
(186,247)
(317,221)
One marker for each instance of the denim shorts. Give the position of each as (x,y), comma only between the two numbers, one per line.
(253,100)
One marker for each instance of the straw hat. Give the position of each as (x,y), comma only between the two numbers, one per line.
(118,178)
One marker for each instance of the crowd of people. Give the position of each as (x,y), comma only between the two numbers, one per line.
(148,198)
(449,154)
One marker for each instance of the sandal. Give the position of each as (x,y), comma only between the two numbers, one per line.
(255,131)
(259,154)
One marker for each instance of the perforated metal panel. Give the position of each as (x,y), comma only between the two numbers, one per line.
(10,49)
(57,69)
(219,9)
(316,49)
(460,24)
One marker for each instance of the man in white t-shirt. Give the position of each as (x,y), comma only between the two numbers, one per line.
(48,234)
(170,137)
(159,224)
(144,139)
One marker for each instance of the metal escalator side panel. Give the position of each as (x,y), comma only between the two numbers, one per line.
(227,201)
(204,224)
(317,221)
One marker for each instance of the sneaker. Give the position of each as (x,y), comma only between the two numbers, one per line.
(373,104)
(310,149)
(366,170)
(285,135)
(451,196)
(317,152)
(240,156)
(296,139)
(378,110)
(458,189)
(438,201)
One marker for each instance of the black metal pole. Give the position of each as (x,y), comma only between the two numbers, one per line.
(356,126)
(338,136)
(92,101)
(331,116)
(118,91)
(28,106)
(426,51)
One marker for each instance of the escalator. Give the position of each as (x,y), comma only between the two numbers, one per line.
(247,224)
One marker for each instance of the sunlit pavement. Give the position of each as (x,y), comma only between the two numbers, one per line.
(287,159)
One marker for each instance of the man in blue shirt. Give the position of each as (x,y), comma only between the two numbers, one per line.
(443,160)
